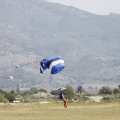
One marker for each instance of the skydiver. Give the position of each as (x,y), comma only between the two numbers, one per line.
(64,99)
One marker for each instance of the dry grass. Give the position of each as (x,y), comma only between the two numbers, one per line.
(55,111)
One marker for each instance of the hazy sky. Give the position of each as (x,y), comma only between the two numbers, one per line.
(101,7)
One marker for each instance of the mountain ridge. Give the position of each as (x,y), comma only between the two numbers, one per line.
(32,30)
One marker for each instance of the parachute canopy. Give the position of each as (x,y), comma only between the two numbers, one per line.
(54,63)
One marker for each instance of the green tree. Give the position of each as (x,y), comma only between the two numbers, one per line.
(80,90)
(119,87)
(2,98)
(12,92)
(6,96)
(105,90)
(10,97)
(116,90)
(69,92)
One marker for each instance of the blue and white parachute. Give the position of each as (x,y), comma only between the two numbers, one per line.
(54,63)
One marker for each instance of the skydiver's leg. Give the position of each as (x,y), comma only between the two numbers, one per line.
(65,103)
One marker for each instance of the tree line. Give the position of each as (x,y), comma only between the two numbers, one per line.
(108,90)
(69,92)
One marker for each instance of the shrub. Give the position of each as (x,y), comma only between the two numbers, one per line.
(2,98)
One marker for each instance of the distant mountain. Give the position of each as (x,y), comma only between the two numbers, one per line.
(31,30)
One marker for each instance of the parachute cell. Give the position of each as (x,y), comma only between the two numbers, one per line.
(54,63)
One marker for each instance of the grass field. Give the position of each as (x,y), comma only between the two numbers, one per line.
(55,111)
